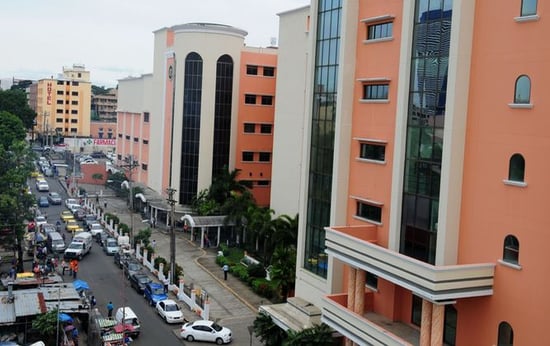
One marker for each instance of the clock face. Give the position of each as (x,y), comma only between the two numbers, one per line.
(170,71)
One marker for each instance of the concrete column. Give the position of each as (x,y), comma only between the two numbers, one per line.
(438,318)
(360,280)
(351,288)
(426,323)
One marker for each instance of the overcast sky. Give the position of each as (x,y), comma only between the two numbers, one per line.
(114,38)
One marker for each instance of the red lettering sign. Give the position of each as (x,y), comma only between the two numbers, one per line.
(49,93)
(105,141)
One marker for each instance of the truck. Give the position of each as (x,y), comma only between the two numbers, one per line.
(79,247)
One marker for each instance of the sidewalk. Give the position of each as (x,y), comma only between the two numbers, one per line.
(228,299)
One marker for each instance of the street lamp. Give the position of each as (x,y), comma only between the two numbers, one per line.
(130,165)
(172,203)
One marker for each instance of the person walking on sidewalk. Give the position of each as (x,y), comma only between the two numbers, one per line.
(154,244)
(110,308)
(225,271)
(166,282)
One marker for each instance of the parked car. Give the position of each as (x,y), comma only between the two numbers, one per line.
(89,219)
(79,214)
(138,281)
(48,227)
(72,225)
(131,267)
(43,202)
(153,293)
(55,198)
(206,331)
(69,201)
(40,220)
(170,311)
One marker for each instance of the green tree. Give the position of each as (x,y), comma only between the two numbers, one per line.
(236,209)
(203,205)
(97,176)
(46,323)
(319,335)
(11,128)
(225,184)
(286,230)
(283,269)
(262,227)
(15,102)
(269,333)
(99,90)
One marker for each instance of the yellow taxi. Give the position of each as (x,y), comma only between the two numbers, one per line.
(66,215)
(35,174)
(72,225)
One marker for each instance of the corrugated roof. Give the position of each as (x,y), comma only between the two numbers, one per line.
(7,310)
(28,303)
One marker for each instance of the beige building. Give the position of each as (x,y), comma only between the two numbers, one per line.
(104,106)
(63,104)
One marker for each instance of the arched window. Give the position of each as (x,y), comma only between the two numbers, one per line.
(528,7)
(505,334)
(516,171)
(523,90)
(511,250)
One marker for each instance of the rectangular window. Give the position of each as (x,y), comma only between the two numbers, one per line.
(372,281)
(262,183)
(59,111)
(59,102)
(74,93)
(375,91)
(369,212)
(136,139)
(269,71)
(252,70)
(248,156)
(249,128)
(265,157)
(76,83)
(250,99)
(266,128)
(120,135)
(59,82)
(74,121)
(127,137)
(146,117)
(528,7)
(381,30)
(74,102)
(144,166)
(59,92)
(74,130)
(374,152)
(267,100)
(145,141)
(59,120)
(74,111)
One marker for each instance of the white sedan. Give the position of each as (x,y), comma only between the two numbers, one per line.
(206,331)
(170,311)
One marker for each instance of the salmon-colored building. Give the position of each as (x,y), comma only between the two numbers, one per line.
(207,106)
(423,189)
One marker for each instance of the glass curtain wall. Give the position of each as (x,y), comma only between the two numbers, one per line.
(425,124)
(222,114)
(190,139)
(322,135)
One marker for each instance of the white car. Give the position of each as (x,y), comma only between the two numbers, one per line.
(169,311)
(40,220)
(42,186)
(70,201)
(205,331)
(96,229)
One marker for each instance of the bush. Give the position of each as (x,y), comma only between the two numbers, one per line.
(123,228)
(159,260)
(143,236)
(256,271)
(109,216)
(240,271)
(263,288)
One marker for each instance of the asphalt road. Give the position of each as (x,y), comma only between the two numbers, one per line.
(107,283)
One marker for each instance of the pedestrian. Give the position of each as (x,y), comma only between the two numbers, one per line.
(75,336)
(75,270)
(154,244)
(110,308)
(105,205)
(153,222)
(225,271)
(166,282)
(63,267)
(93,302)
(12,272)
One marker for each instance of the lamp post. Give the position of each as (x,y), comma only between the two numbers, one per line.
(172,203)
(129,166)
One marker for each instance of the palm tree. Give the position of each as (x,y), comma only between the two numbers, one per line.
(286,230)
(235,210)
(261,224)
(319,335)
(283,269)
(269,333)
(224,184)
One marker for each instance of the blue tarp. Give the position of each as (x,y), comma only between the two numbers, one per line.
(80,285)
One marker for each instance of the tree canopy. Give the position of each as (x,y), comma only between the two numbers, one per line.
(15,102)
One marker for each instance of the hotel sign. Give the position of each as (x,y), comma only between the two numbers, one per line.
(49,93)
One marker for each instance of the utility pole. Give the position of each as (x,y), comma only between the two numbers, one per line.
(129,165)
(172,202)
